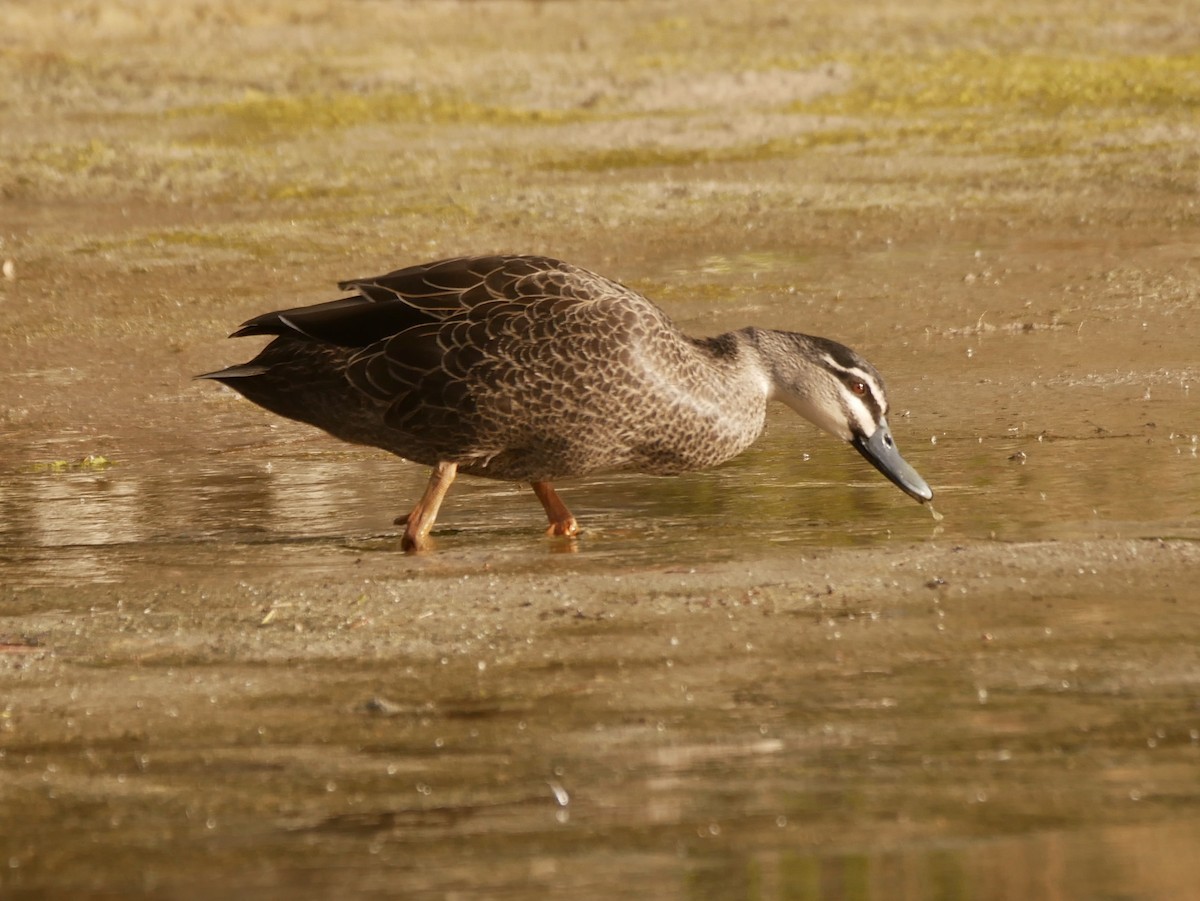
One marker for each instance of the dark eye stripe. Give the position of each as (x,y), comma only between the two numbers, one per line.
(864,390)
(853,375)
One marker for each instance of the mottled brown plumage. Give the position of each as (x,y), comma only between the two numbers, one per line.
(531,369)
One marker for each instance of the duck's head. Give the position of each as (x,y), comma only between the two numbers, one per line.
(837,390)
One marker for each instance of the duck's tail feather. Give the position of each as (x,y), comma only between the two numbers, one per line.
(244,370)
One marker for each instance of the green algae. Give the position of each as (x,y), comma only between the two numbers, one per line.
(75,158)
(164,239)
(88,463)
(1011,104)
(646,156)
(257,115)
(1032,84)
(1023,105)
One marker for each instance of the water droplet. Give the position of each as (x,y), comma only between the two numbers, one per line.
(560,793)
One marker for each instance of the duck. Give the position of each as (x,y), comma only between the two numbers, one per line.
(529,369)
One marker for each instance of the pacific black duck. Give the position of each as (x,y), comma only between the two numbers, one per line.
(529,369)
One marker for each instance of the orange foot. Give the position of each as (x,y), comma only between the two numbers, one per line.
(418,523)
(414,544)
(562,522)
(567,528)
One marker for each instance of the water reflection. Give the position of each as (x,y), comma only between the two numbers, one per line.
(795,488)
(1126,862)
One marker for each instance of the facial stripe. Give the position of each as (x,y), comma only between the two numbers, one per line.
(872,405)
(863,419)
(854,372)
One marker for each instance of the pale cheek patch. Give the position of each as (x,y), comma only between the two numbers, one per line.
(859,414)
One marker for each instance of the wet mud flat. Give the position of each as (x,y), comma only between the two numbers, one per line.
(777,679)
(463,722)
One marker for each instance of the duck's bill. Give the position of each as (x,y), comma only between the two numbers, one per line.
(881,451)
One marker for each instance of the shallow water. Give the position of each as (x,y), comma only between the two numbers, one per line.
(796,488)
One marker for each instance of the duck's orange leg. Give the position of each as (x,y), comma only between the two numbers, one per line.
(561,520)
(418,523)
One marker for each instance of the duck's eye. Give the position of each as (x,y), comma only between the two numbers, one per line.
(859,387)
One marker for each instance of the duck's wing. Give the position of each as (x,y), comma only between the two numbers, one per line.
(429,293)
(480,309)
(451,288)
(447,286)
(514,317)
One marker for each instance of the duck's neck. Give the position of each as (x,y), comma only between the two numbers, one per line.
(736,381)
(720,348)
